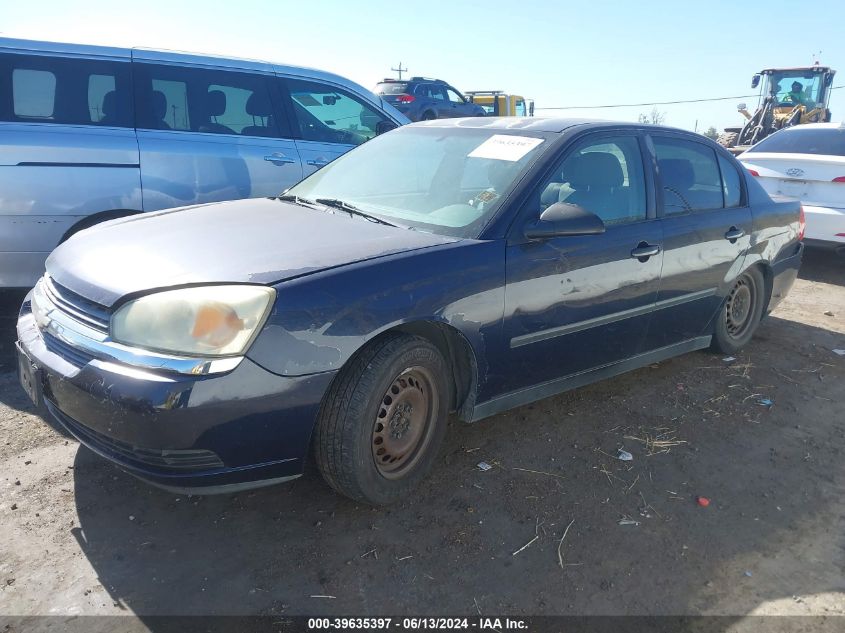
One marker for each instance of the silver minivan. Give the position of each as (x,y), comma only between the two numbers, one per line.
(89,133)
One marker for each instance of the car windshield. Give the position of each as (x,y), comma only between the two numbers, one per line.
(801,140)
(449,181)
(391,88)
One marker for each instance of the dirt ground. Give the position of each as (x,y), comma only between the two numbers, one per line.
(81,537)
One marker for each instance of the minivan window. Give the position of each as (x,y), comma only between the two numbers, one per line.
(44,89)
(330,115)
(204,100)
(689,173)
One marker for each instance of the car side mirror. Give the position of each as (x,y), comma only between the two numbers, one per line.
(563,219)
(755,81)
(385,126)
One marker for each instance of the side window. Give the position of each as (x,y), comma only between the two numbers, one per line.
(454,97)
(690,175)
(208,101)
(46,89)
(330,115)
(33,93)
(437,92)
(604,176)
(730,183)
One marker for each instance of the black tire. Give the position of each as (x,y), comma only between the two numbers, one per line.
(398,379)
(727,139)
(428,116)
(741,313)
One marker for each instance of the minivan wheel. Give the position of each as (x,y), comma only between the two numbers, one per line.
(741,313)
(383,420)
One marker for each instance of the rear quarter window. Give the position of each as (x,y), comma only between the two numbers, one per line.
(63,90)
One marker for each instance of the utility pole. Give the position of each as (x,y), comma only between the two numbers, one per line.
(399,70)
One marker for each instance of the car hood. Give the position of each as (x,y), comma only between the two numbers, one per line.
(244,241)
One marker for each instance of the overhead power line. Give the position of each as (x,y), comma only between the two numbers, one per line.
(654,103)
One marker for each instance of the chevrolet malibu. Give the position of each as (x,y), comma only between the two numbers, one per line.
(464,265)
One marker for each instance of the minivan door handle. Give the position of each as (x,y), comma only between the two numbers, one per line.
(279,159)
(318,162)
(645,250)
(734,234)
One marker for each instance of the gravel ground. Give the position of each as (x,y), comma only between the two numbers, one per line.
(82,537)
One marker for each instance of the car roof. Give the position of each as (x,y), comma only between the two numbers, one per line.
(162,55)
(537,124)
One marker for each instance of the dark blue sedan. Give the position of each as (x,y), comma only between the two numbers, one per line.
(467,266)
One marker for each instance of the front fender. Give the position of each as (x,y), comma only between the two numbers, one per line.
(319,321)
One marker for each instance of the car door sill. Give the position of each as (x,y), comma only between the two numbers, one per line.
(573,381)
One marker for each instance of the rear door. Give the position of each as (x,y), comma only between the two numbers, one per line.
(328,120)
(583,302)
(207,134)
(67,151)
(706,224)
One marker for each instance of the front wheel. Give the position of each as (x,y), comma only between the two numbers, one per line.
(741,314)
(383,420)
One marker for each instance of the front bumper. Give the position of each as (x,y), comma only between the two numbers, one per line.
(203,434)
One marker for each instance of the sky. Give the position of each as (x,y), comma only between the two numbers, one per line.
(560,54)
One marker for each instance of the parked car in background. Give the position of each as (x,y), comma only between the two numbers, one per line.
(89,134)
(469,265)
(423,99)
(807,162)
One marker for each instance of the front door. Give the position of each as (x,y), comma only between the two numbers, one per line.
(582,302)
(706,234)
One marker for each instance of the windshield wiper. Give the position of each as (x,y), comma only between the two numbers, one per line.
(303,202)
(352,210)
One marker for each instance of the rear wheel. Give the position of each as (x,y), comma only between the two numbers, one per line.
(741,313)
(383,420)
(428,116)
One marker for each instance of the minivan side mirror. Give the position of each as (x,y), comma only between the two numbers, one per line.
(755,81)
(563,219)
(385,126)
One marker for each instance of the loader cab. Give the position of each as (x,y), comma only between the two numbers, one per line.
(498,103)
(790,87)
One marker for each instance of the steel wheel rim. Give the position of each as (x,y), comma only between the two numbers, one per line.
(404,422)
(740,307)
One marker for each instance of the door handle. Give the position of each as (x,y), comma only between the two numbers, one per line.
(318,162)
(279,159)
(645,250)
(734,234)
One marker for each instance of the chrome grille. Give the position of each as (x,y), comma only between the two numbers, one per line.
(76,306)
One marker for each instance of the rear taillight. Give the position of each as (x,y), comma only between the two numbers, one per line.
(754,173)
(405,98)
(839,179)
(802,224)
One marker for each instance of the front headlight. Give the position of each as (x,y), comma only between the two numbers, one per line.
(201,321)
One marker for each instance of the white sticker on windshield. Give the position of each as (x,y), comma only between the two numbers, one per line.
(505,147)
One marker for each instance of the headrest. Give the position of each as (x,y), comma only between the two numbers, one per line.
(216,104)
(159,104)
(676,172)
(258,104)
(110,104)
(594,169)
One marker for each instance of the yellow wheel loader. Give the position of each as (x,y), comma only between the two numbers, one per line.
(788,96)
(498,103)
